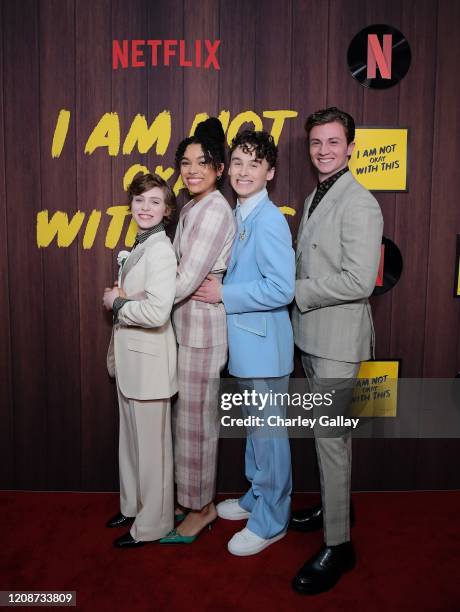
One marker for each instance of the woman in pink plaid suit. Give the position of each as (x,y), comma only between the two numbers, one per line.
(203,242)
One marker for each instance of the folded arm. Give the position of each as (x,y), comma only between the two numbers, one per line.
(160,286)
(203,248)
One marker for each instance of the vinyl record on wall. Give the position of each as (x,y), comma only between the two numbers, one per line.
(379,56)
(390,268)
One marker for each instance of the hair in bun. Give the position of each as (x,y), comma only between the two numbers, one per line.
(210,129)
(210,135)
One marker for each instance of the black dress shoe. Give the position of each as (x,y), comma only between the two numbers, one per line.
(127,541)
(311,519)
(323,570)
(119,520)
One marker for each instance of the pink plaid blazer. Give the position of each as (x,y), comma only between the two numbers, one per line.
(203,242)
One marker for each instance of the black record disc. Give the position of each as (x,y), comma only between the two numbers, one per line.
(358,57)
(392,267)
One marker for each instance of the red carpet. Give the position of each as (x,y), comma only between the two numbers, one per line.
(408,548)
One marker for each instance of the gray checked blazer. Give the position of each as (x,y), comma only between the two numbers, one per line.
(337,258)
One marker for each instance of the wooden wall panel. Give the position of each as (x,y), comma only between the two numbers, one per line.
(442,320)
(345,21)
(166,85)
(201,87)
(7,479)
(413,208)
(411,227)
(273,80)
(25,274)
(94,191)
(58,418)
(380,108)
(310,36)
(60,265)
(436,458)
(129,98)
(236,95)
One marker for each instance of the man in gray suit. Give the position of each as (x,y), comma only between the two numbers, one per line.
(338,252)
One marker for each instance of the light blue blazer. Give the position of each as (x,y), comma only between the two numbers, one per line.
(257,289)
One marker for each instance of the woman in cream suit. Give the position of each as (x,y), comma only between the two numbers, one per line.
(142,357)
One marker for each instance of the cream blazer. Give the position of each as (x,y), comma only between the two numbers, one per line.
(142,352)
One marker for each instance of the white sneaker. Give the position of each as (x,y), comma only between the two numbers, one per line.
(231,510)
(245,542)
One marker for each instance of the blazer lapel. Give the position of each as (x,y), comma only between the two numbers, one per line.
(306,208)
(329,200)
(242,236)
(136,255)
(303,224)
(324,206)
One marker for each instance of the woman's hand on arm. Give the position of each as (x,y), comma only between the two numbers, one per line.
(110,294)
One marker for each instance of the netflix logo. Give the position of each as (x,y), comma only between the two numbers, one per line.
(139,53)
(379,56)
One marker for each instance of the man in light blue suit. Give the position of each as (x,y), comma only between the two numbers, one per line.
(258,287)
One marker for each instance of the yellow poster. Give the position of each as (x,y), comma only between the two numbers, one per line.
(458,278)
(457,272)
(376,391)
(379,159)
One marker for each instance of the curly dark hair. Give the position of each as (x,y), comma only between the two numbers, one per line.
(144,182)
(210,135)
(260,142)
(328,115)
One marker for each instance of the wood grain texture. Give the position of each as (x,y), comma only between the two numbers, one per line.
(310,39)
(201,86)
(442,312)
(58,416)
(272,82)
(94,191)
(308,88)
(7,479)
(25,273)
(166,85)
(62,360)
(436,458)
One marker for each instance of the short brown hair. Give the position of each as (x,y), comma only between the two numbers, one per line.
(328,115)
(262,143)
(144,182)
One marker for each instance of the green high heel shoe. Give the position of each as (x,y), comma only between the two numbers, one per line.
(173,537)
(178,518)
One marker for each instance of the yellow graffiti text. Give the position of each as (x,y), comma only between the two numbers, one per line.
(107,132)
(64,231)
(60,133)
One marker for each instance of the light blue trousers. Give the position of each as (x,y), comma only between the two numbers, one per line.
(268,463)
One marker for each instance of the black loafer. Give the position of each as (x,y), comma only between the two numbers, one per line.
(323,570)
(311,519)
(127,541)
(119,520)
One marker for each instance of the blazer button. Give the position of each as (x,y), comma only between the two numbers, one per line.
(313,246)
